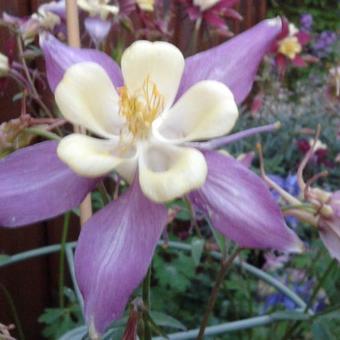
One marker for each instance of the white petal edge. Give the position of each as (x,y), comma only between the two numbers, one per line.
(160,62)
(206,110)
(87,97)
(168,171)
(91,157)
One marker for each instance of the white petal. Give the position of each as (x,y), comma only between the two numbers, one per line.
(91,157)
(86,96)
(160,62)
(206,110)
(167,171)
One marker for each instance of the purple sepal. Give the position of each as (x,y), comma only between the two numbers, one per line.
(58,8)
(98,29)
(59,57)
(234,62)
(330,236)
(113,254)
(329,227)
(241,207)
(35,185)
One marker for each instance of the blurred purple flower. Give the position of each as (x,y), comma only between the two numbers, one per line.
(306,22)
(324,43)
(303,289)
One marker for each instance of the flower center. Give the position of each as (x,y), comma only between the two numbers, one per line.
(290,47)
(141,108)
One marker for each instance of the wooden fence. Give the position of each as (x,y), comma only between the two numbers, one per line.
(33,285)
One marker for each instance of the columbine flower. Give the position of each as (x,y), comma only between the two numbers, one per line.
(4,65)
(213,12)
(97,25)
(289,47)
(324,207)
(320,152)
(101,8)
(147,142)
(142,127)
(48,17)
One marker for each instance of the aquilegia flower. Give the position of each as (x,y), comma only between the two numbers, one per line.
(323,210)
(288,49)
(146,139)
(213,12)
(98,24)
(49,17)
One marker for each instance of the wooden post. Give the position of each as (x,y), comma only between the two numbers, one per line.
(73,36)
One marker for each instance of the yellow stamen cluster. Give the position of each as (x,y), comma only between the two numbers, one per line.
(290,47)
(141,108)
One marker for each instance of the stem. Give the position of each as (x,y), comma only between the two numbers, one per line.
(225,266)
(196,35)
(291,330)
(284,194)
(147,305)
(320,284)
(73,37)
(14,312)
(35,94)
(43,133)
(62,259)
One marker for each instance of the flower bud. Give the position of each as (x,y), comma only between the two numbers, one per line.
(329,226)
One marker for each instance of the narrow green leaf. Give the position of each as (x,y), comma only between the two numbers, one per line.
(75,334)
(165,320)
(154,326)
(219,238)
(197,246)
(321,331)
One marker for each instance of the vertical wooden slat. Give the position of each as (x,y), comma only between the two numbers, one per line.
(28,282)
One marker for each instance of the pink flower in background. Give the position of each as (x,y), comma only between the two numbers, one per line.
(288,49)
(213,12)
(50,17)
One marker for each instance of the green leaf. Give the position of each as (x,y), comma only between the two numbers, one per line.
(165,320)
(219,238)
(176,274)
(50,315)
(320,331)
(75,334)
(197,246)
(154,326)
